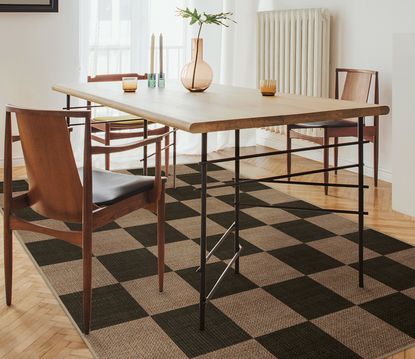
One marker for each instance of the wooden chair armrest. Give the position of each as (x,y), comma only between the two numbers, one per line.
(158,182)
(61,113)
(99,150)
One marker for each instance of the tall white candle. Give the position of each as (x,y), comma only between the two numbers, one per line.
(161,53)
(153,43)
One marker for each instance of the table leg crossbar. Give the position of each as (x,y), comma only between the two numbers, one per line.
(296,150)
(322,184)
(274,178)
(222,276)
(219,243)
(283,179)
(295,208)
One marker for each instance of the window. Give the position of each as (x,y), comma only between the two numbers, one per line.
(163,19)
(120,31)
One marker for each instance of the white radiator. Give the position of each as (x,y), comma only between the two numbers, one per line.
(294,49)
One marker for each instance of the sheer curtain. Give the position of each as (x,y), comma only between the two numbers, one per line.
(238,51)
(114,37)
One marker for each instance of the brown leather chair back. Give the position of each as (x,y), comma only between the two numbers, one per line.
(55,189)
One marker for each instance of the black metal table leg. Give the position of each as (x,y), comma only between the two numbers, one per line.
(361,198)
(145,149)
(203,172)
(205,297)
(174,156)
(68,107)
(237,195)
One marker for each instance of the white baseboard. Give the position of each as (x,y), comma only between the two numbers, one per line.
(278,141)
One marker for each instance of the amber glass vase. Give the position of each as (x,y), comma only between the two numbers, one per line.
(197,75)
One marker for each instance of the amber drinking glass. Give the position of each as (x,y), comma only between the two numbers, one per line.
(129,84)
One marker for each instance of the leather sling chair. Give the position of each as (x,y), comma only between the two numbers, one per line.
(60,191)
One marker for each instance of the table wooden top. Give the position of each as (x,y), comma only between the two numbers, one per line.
(220,108)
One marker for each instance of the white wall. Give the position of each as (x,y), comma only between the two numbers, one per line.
(37,50)
(362,32)
(41,49)
(403,124)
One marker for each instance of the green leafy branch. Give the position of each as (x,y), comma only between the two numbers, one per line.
(203,18)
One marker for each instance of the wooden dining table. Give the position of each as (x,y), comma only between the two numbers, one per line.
(227,108)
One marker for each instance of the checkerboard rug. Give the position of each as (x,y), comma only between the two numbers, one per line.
(296,297)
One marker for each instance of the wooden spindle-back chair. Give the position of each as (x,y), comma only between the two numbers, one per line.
(124,126)
(357,87)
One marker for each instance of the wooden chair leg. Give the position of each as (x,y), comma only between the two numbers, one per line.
(145,149)
(87,281)
(289,146)
(326,161)
(107,139)
(376,159)
(167,153)
(336,154)
(174,157)
(161,239)
(8,261)
(8,194)
(87,220)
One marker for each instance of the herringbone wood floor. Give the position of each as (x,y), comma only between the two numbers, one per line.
(36,326)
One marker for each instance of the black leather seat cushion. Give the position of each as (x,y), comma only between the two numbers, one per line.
(326,124)
(110,187)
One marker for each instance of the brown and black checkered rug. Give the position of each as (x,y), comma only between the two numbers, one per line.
(296,297)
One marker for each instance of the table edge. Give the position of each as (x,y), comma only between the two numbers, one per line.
(243,123)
